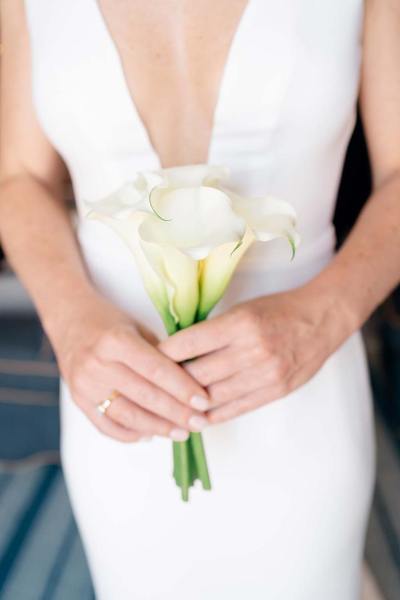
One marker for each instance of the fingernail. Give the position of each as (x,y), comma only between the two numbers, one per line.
(197,423)
(199,402)
(146,438)
(179,435)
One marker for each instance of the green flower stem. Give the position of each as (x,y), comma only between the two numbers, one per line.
(184,469)
(190,463)
(196,442)
(202,314)
(176,463)
(189,457)
(170,325)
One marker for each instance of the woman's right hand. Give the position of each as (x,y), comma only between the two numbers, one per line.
(99,350)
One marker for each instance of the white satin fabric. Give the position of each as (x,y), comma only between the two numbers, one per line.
(291,481)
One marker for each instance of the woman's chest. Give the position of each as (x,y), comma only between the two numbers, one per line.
(173,56)
(293,61)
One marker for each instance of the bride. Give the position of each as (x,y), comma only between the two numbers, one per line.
(277,378)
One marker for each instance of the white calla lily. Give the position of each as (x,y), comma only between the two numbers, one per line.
(126,226)
(148,180)
(194,219)
(179,273)
(119,205)
(216,272)
(188,224)
(268,218)
(195,175)
(188,232)
(135,195)
(188,176)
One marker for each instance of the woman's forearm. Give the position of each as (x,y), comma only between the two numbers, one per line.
(367,267)
(37,235)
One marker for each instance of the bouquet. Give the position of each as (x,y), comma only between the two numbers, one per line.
(188,231)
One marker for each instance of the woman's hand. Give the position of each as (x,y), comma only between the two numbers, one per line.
(261,350)
(103,351)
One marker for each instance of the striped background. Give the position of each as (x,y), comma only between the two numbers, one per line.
(41,553)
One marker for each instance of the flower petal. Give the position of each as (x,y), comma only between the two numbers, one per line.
(179,273)
(195,175)
(216,272)
(125,201)
(147,180)
(155,285)
(195,220)
(268,217)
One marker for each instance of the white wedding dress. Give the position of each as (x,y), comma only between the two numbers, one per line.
(292,481)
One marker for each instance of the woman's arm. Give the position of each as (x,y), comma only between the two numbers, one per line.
(368,266)
(98,347)
(261,350)
(31,178)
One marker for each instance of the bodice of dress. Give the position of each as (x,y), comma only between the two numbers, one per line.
(284,115)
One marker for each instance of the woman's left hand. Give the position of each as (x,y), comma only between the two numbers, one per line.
(260,350)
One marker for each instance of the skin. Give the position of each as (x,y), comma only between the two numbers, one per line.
(278,341)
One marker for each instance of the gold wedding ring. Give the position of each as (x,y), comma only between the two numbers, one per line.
(105,405)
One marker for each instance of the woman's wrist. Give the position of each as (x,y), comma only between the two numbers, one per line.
(332,307)
(60,317)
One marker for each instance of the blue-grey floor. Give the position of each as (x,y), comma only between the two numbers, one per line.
(41,553)
(383,540)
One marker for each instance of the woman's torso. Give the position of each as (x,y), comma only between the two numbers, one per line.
(283,109)
(282,123)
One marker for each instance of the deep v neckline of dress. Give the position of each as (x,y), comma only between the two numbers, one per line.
(126,88)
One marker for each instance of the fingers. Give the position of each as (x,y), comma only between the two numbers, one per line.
(198,339)
(154,400)
(212,367)
(131,416)
(96,379)
(109,427)
(147,361)
(247,403)
(244,382)
(220,365)
(147,334)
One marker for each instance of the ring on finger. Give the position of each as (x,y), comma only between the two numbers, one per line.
(102,407)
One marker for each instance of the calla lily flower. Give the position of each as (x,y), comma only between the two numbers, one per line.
(190,176)
(216,271)
(268,218)
(188,232)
